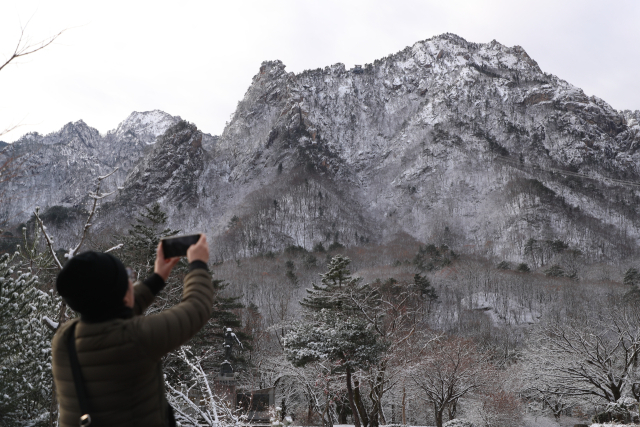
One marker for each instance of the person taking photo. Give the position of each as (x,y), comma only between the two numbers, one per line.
(119,350)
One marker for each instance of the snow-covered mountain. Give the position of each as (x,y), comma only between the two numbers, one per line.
(59,168)
(452,142)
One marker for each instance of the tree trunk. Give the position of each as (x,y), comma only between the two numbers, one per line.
(364,418)
(53,407)
(377,390)
(438,412)
(404,406)
(326,412)
(343,414)
(354,410)
(452,409)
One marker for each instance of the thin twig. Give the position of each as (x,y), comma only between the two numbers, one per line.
(23,49)
(96,195)
(47,238)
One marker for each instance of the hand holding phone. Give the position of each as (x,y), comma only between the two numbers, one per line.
(178,246)
(199,251)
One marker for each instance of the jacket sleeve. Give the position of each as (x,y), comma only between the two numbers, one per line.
(145,292)
(143,297)
(163,332)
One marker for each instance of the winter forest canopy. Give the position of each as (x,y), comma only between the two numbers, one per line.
(446,234)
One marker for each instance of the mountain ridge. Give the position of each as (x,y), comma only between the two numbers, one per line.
(447,140)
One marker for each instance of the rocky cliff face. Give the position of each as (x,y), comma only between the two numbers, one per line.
(60,168)
(448,140)
(453,142)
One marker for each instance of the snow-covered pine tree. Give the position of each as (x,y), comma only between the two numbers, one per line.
(139,247)
(336,328)
(25,347)
(211,336)
(336,288)
(346,341)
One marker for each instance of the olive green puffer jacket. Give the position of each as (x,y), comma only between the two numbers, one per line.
(120,358)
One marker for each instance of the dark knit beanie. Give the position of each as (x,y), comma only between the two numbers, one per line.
(93,283)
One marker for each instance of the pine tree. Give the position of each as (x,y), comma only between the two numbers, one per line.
(334,328)
(425,288)
(346,341)
(335,286)
(25,346)
(207,344)
(212,334)
(139,249)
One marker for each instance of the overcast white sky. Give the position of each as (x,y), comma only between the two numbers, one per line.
(196,59)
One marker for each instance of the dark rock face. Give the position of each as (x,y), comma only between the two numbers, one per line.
(169,173)
(450,141)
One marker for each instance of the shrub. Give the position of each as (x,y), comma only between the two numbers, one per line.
(318,247)
(335,245)
(295,250)
(555,271)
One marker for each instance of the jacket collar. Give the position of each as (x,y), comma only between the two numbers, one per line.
(119,313)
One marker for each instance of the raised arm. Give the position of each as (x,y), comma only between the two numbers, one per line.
(145,292)
(163,332)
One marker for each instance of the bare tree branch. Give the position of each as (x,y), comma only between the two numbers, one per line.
(9,129)
(24,47)
(95,195)
(47,238)
(116,247)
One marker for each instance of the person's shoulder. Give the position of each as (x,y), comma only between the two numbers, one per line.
(61,331)
(65,326)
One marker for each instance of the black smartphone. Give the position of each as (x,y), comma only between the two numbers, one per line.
(177,246)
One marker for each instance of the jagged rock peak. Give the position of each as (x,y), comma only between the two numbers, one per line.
(180,133)
(446,50)
(270,70)
(175,163)
(74,133)
(145,126)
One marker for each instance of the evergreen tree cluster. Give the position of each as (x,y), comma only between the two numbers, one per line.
(25,346)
